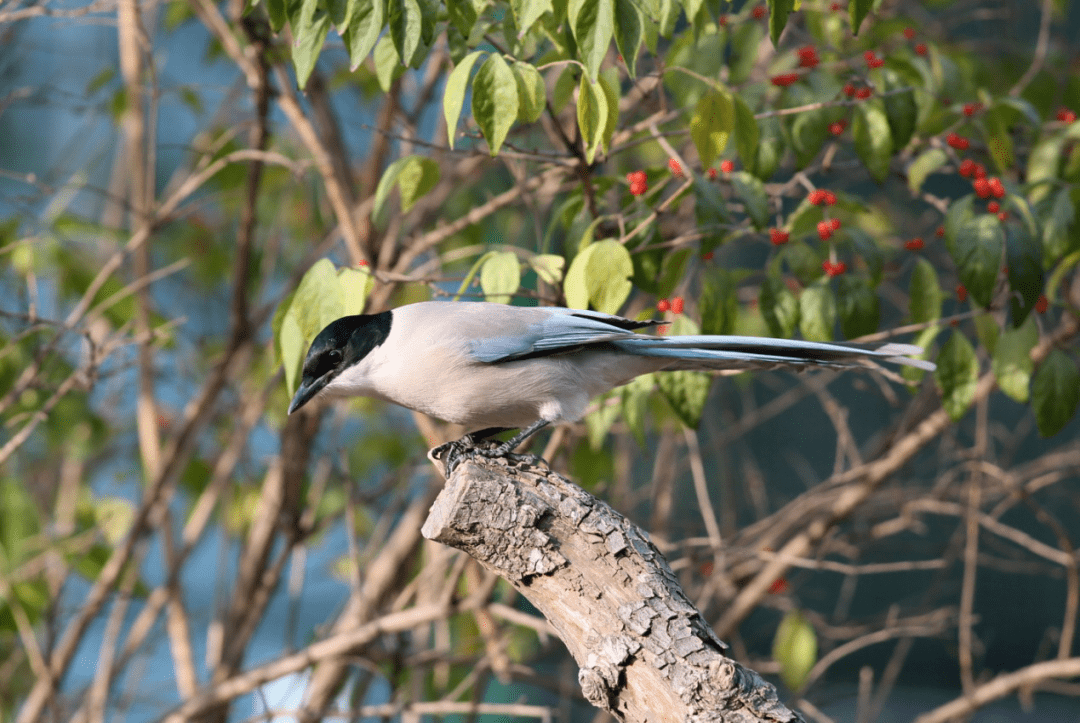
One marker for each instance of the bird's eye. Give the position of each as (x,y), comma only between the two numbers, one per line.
(333,356)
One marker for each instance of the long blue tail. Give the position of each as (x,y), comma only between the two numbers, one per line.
(748,352)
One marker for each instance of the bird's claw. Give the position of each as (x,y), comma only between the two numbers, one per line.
(454,453)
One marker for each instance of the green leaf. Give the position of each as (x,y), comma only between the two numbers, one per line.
(575,289)
(746,134)
(609,83)
(685,391)
(532,95)
(454,95)
(979,246)
(873,139)
(817,311)
(925,338)
(356,284)
(778,17)
(628,33)
(925,294)
(924,164)
(960,212)
(592,113)
(957,375)
(857,10)
(500,276)
(549,267)
(795,648)
(387,63)
(607,275)
(1012,363)
(988,331)
(672,270)
(1023,256)
(309,41)
(414,176)
(1043,167)
(340,12)
(711,124)
(900,107)
(779,307)
(998,139)
(527,12)
(808,132)
(858,305)
(719,303)
(1055,237)
(1055,392)
(495,101)
(277,11)
(405,19)
(367,22)
(594,25)
(462,14)
(564,88)
(751,191)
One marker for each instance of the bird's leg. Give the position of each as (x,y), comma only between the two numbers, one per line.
(509,446)
(458,449)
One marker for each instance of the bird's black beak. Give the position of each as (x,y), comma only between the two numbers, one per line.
(307,390)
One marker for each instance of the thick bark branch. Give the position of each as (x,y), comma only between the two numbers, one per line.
(644,651)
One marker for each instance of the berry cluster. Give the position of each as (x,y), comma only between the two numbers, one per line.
(675,305)
(833,269)
(914,244)
(638,182)
(838,127)
(785,79)
(821,197)
(873,60)
(958,142)
(778,237)
(808,57)
(971,169)
(826,228)
(1066,115)
(861,93)
(987,187)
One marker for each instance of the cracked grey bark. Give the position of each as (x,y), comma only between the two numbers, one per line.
(644,652)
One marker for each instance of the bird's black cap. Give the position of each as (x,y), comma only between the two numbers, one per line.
(341,344)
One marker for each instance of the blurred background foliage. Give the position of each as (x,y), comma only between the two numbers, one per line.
(169,198)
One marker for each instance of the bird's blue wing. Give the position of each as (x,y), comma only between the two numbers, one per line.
(552,331)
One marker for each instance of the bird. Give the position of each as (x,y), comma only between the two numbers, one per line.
(494,367)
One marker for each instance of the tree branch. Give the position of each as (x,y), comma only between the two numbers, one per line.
(644,651)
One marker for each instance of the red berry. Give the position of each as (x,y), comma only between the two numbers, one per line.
(1065,115)
(637,188)
(958,142)
(832,269)
(808,57)
(778,237)
(707,256)
(961,292)
(939,231)
(837,128)
(824,230)
(712,174)
(872,60)
(727,166)
(996,188)
(849,90)
(920,49)
(677,305)
(723,21)
(982,188)
(834,224)
(1003,217)
(993,207)
(971,109)
(863,93)
(785,79)
(759,12)
(835,7)
(980,171)
(1042,304)
(830,198)
(778,586)
(662,305)
(636,177)
(909,33)
(676,169)
(914,244)
(362,263)
(967,167)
